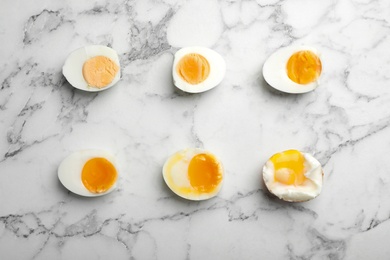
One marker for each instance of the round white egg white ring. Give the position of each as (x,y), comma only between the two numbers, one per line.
(69,171)
(312,186)
(275,72)
(217,70)
(73,67)
(187,155)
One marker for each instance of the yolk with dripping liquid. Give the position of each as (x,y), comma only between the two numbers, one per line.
(304,67)
(203,173)
(99,71)
(289,167)
(193,68)
(98,175)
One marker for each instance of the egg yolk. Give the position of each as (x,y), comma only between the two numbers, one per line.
(98,175)
(304,67)
(203,173)
(99,71)
(193,68)
(289,167)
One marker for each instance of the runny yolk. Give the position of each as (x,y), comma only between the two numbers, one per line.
(98,175)
(193,68)
(289,167)
(203,173)
(99,71)
(304,67)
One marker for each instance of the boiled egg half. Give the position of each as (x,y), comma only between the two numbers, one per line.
(92,68)
(293,69)
(197,69)
(293,176)
(193,174)
(89,173)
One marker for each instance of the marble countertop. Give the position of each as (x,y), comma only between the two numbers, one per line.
(344,123)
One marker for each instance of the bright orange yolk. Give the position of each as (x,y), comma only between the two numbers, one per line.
(304,67)
(289,167)
(98,175)
(204,173)
(99,71)
(193,68)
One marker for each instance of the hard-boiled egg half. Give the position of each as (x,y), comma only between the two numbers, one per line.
(293,176)
(293,69)
(197,69)
(89,173)
(92,68)
(193,174)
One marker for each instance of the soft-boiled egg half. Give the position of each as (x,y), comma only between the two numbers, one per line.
(293,69)
(193,174)
(197,69)
(89,173)
(293,176)
(92,68)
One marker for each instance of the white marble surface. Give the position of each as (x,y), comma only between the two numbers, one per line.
(143,119)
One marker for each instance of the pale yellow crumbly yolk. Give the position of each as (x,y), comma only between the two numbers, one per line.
(203,173)
(99,71)
(193,68)
(98,175)
(289,167)
(304,67)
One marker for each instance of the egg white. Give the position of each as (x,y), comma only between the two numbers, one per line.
(175,174)
(73,67)
(69,171)
(275,72)
(308,190)
(217,70)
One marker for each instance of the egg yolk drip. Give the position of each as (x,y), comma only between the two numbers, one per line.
(289,167)
(99,71)
(203,173)
(193,68)
(98,175)
(304,67)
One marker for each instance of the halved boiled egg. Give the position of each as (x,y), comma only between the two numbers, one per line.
(293,69)
(92,68)
(89,173)
(193,174)
(197,69)
(293,176)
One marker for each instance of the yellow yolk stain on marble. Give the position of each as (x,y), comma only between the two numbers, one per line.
(289,167)
(98,175)
(304,67)
(193,68)
(203,173)
(99,71)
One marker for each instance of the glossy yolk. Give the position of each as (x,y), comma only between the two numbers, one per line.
(203,173)
(98,175)
(304,67)
(289,167)
(99,71)
(193,68)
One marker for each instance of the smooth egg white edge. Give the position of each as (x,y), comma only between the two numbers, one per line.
(69,171)
(291,193)
(73,67)
(217,70)
(275,72)
(188,154)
